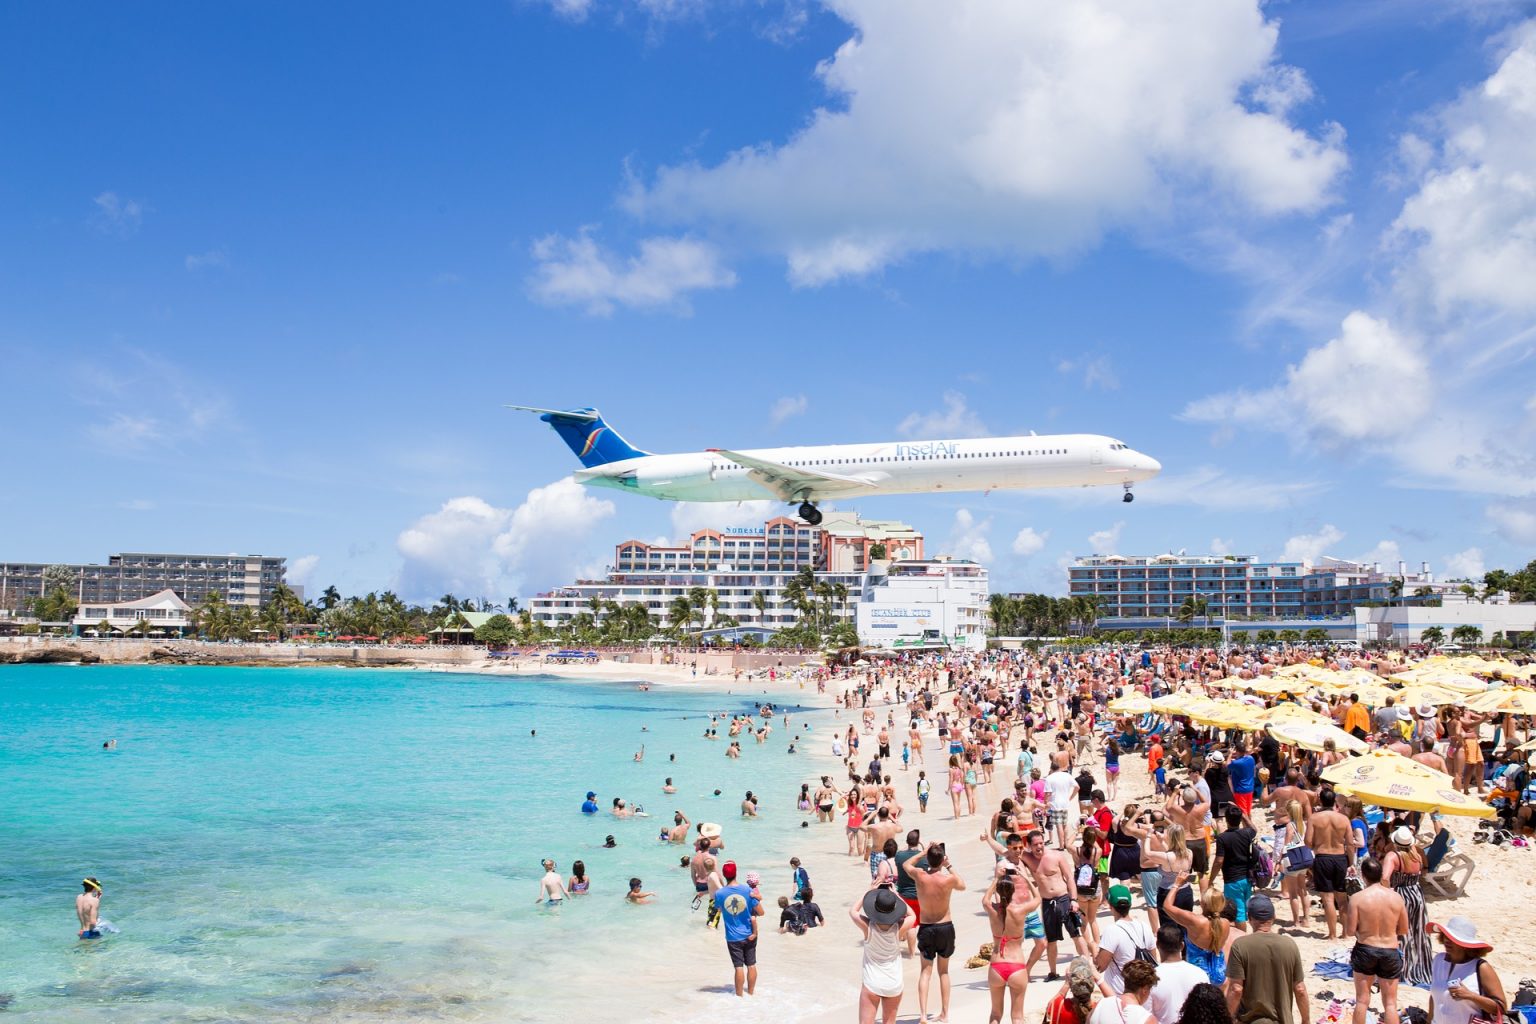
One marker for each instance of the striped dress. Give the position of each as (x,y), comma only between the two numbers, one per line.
(1418,956)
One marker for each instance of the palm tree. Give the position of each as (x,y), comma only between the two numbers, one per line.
(512,606)
(1000,608)
(679,613)
(840,591)
(1395,591)
(331,598)
(1192,607)
(760,605)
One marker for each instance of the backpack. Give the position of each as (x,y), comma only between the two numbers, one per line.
(1143,953)
(796,922)
(1261,866)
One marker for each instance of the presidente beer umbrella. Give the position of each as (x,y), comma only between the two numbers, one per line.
(1392,780)
(1314,736)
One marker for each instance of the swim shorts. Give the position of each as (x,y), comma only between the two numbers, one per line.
(1057,915)
(1200,861)
(701,887)
(743,952)
(911,901)
(1237,894)
(1376,961)
(1034,927)
(1056,817)
(936,940)
(1328,872)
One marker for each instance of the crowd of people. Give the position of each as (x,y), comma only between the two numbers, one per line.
(1227,829)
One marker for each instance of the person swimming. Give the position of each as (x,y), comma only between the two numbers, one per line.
(590,806)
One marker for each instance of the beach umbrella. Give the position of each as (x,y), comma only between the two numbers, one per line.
(1387,779)
(1273,686)
(1288,712)
(1299,669)
(1427,693)
(1313,736)
(1227,714)
(1130,704)
(1173,703)
(1457,681)
(1506,700)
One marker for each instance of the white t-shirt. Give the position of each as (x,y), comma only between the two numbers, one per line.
(1174,982)
(1121,937)
(1110,1011)
(1062,790)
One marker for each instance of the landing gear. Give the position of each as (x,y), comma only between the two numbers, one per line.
(1129,497)
(810,513)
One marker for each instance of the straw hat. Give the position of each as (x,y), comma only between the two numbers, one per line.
(1401,836)
(709,830)
(1424,711)
(1461,931)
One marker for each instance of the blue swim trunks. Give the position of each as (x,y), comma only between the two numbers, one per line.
(1238,893)
(1034,926)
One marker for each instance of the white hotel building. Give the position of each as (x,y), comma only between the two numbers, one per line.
(926,603)
(736,565)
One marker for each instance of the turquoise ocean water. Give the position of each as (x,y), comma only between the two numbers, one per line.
(353,845)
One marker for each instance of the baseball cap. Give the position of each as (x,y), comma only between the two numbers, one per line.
(591,795)
(1120,896)
(728,870)
(1261,908)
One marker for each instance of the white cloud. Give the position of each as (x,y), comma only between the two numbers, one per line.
(1098,372)
(122,216)
(1466,565)
(787,407)
(969,538)
(1311,547)
(1220,546)
(1387,553)
(1210,487)
(301,570)
(166,409)
(690,516)
(574,10)
(578,272)
(956,419)
(1010,128)
(1369,383)
(1029,542)
(1514,522)
(1470,229)
(470,547)
(1107,541)
(211,258)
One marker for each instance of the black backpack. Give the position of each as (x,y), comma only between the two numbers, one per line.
(1143,953)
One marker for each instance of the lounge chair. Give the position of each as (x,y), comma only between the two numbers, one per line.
(1445,873)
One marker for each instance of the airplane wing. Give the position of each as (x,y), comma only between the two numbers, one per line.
(796,483)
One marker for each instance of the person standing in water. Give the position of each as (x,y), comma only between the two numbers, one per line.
(551,886)
(88,908)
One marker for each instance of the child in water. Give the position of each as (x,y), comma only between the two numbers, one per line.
(635,895)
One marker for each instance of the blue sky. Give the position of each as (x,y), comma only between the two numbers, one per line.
(269,271)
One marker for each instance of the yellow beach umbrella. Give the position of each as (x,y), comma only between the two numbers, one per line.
(1392,780)
(1173,703)
(1506,700)
(1288,712)
(1314,735)
(1130,704)
(1427,693)
(1456,681)
(1359,677)
(1299,669)
(1272,686)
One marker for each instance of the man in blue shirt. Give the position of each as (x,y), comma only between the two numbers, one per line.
(1240,770)
(590,807)
(739,909)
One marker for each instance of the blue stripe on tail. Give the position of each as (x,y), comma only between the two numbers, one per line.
(594,441)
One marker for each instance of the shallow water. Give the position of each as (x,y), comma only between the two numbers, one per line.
(354,845)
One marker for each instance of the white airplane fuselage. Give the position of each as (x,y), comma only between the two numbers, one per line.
(895,467)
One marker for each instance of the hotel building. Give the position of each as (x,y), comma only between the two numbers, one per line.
(1155,587)
(737,564)
(929,603)
(247,580)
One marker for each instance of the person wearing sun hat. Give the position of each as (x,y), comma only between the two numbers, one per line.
(88,908)
(1463,984)
(882,917)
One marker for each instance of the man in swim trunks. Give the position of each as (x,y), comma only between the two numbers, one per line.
(551,886)
(936,881)
(905,887)
(740,910)
(1333,848)
(1377,918)
(88,908)
(1052,870)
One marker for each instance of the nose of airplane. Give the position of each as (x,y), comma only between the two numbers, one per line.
(1148,465)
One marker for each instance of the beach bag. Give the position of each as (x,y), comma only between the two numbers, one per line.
(1299,858)
(1262,872)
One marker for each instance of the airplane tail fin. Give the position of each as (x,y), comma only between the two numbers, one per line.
(585,432)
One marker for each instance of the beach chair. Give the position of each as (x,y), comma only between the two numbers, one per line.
(1446,874)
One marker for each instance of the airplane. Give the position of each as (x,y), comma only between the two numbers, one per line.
(808,475)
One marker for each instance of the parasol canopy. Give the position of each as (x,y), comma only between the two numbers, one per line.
(1313,736)
(1392,780)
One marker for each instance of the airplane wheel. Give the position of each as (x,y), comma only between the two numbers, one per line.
(810,513)
(1129,496)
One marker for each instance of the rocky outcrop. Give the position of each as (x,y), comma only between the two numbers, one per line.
(48,656)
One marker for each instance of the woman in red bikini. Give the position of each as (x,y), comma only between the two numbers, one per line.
(1009,900)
